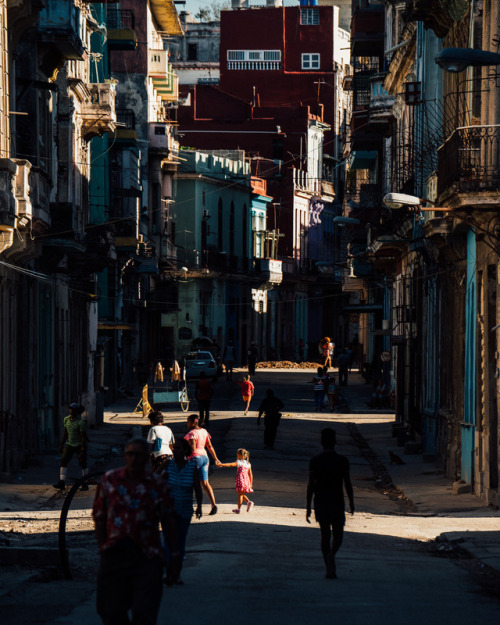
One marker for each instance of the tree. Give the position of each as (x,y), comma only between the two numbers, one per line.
(212,12)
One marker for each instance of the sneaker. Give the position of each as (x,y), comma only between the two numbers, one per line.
(61,485)
(250,505)
(236,511)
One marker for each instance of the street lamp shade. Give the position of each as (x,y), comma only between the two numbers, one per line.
(399,200)
(346,221)
(455,60)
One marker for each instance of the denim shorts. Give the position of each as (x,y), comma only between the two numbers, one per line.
(202,464)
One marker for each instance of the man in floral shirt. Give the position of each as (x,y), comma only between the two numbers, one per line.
(130,503)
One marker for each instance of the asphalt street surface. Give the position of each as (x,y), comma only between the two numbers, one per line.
(265,566)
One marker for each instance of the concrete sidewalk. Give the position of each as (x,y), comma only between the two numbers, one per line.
(421,481)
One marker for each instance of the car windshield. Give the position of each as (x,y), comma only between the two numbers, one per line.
(199,356)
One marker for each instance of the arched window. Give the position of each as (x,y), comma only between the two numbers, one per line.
(244,246)
(231,230)
(220,227)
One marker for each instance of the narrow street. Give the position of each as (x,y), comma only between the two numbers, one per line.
(266,567)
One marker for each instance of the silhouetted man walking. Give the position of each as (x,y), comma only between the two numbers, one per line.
(328,475)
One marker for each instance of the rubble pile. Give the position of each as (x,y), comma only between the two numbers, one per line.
(286,364)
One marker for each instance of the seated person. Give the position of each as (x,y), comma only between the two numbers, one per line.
(380,395)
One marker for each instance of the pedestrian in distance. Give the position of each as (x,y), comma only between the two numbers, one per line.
(332,393)
(270,407)
(199,441)
(244,478)
(247,391)
(328,476)
(327,350)
(203,393)
(252,356)
(344,361)
(73,442)
(129,505)
(183,478)
(319,389)
(229,358)
(161,439)
(300,350)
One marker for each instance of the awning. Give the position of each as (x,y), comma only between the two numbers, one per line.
(363,308)
(166,16)
(363,159)
(113,325)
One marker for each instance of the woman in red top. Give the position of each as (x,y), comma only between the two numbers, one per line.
(199,439)
(247,391)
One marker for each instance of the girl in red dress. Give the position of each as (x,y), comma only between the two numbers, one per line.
(244,478)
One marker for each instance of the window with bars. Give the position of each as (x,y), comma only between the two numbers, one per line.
(309,17)
(310,60)
(254,59)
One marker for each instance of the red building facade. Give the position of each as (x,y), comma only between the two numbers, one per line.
(276,100)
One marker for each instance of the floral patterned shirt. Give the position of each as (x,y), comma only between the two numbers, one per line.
(131,511)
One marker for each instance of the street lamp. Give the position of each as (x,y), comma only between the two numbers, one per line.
(455,60)
(395,201)
(346,221)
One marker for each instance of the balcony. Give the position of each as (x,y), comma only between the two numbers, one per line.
(381,105)
(302,182)
(269,271)
(166,86)
(125,133)
(99,115)
(367,32)
(22,192)
(436,15)
(469,161)
(59,35)
(160,138)
(8,169)
(121,33)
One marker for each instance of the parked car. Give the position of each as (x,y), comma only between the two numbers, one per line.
(206,344)
(198,361)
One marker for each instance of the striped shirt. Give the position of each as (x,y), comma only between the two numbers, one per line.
(181,482)
(75,429)
(318,383)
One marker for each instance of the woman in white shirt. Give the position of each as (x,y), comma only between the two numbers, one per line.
(162,441)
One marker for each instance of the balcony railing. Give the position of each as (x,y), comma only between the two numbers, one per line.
(469,160)
(99,113)
(126,117)
(117,19)
(59,29)
(303,182)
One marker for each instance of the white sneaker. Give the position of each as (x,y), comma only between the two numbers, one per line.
(236,511)
(250,505)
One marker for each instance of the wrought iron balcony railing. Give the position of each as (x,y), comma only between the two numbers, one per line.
(469,160)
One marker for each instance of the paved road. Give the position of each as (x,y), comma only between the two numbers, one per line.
(266,567)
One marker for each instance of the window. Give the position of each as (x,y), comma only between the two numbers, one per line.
(192,52)
(236,55)
(310,60)
(412,93)
(309,17)
(254,59)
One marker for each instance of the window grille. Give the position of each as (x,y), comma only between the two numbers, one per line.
(309,17)
(254,59)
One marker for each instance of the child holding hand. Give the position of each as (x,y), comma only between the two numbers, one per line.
(244,478)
